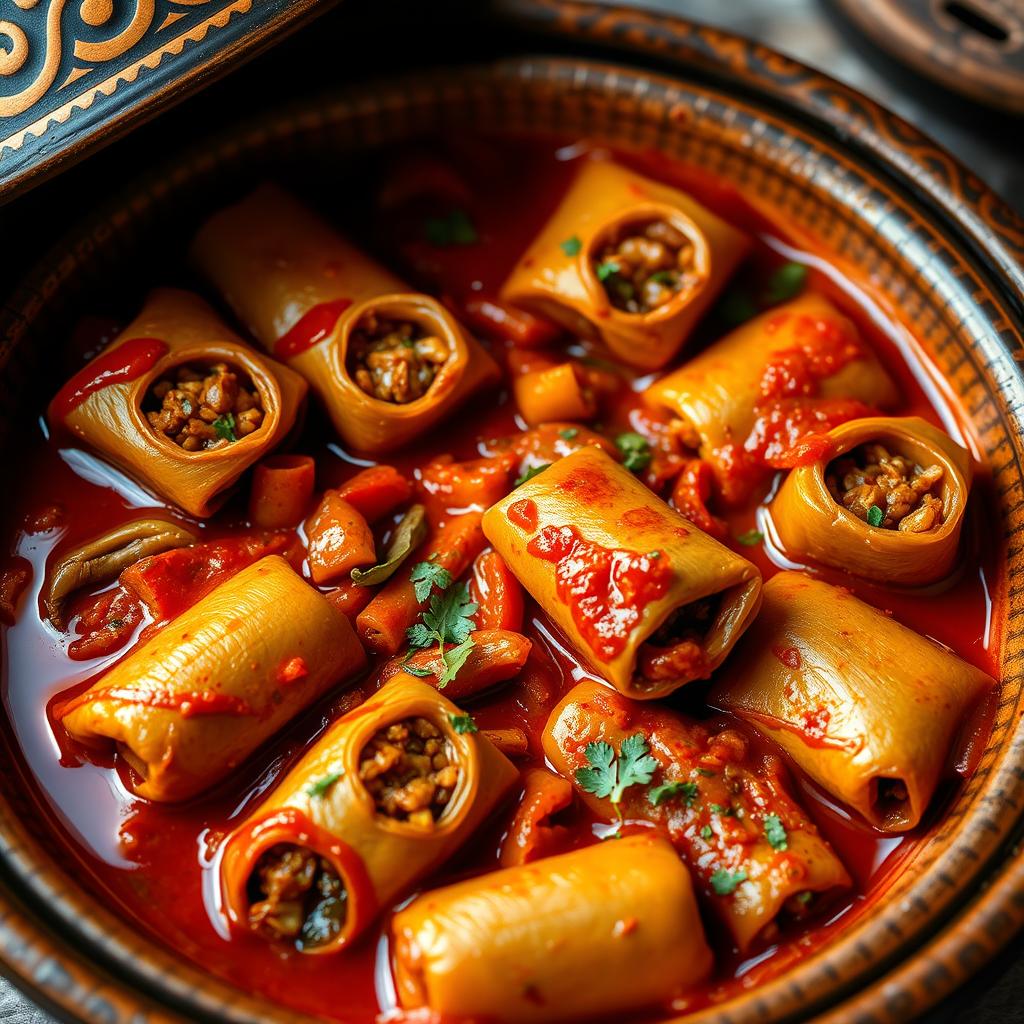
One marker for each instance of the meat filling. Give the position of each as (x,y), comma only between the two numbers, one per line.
(296,897)
(394,360)
(409,769)
(647,266)
(202,408)
(676,650)
(886,490)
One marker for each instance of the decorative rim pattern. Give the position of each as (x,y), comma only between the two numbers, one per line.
(868,215)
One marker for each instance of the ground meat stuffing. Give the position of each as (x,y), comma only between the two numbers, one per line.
(409,769)
(676,650)
(394,360)
(647,266)
(202,408)
(902,494)
(296,897)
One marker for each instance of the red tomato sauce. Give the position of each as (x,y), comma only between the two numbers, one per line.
(156,864)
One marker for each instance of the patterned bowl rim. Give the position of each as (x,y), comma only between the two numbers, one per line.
(74,956)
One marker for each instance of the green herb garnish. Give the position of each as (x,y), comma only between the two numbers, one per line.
(569,433)
(636,452)
(610,776)
(750,538)
(670,790)
(455,228)
(665,277)
(427,575)
(706,832)
(463,723)
(321,786)
(225,427)
(529,474)
(572,246)
(775,832)
(786,283)
(875,516)
(606,270)
(408,536)
(724,882)
(448,620)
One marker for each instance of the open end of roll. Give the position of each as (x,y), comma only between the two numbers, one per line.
(677,651)
(411,770)
(890,803)
(886,489)
(203,406)
(296,897)
(395,358)
(645,263)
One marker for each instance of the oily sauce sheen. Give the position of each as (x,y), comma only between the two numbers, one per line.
(155,863)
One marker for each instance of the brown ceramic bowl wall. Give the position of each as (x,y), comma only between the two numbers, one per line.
(889,209)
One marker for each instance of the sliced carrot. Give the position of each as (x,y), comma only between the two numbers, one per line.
(533,834)
(338,539)
(376,491)
(498,594)
(282,487)
(455,487)
(349,598)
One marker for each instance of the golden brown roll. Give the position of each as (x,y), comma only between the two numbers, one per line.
(186,445)
(649,601)
(748,401)
(916,477)
(596,932)
(321,305)
(754,852)
(865,706)
(628,260)
(348,806)
(201,695)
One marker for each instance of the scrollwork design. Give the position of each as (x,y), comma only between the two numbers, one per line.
(14,56)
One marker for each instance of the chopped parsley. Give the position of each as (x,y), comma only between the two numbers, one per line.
(725,812)
(427,575)
(724,882)
(606,270)
(455,228)
(321,786)
(529,474)
(225,427)
(572,246)
(569,433)
(875,516)
(786,283)
(706,772)
(669,277)
(636,452)
(670,790)
(463,723)
(775,832)
(610,776)
(447,620)
(706,832)
(750,538)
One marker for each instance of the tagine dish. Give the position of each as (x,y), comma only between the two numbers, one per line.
(532,589)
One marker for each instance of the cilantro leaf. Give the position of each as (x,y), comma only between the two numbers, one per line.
(454,659)
(636,452)
(610,776)
(606,270)
(529,474)
(601,776)
(225,427)
(750,538)
(454,228)
(875,516)
(463,723)
(419,635)
(572,246)
(669,277)
(706,832)
(670,790)
(786,283)
(427,575)
(775,832)
(321,786)
(724,882)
